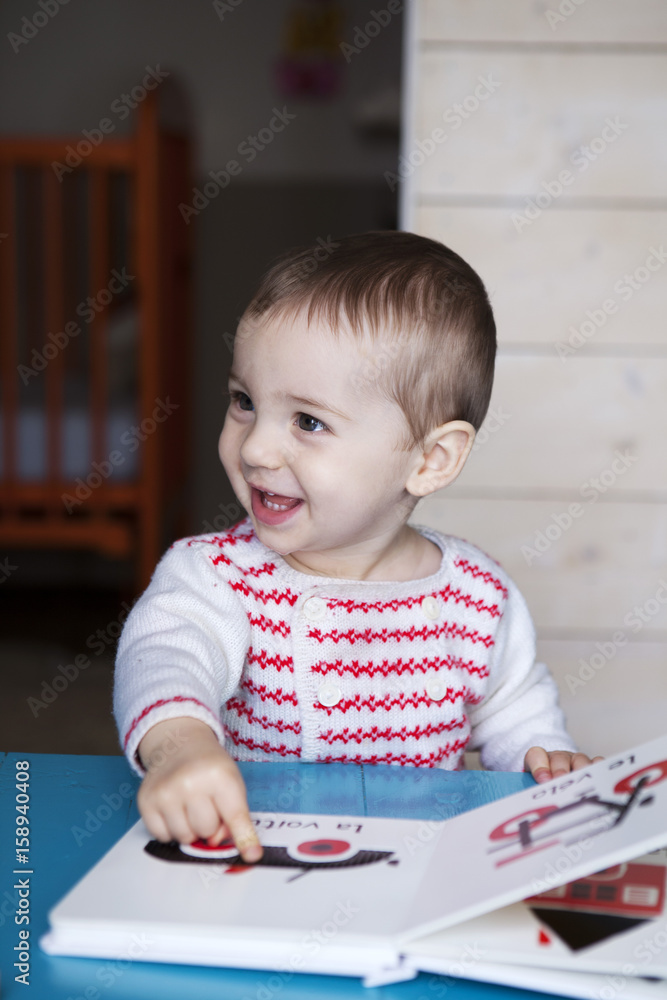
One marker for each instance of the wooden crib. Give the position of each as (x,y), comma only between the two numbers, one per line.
(96,337)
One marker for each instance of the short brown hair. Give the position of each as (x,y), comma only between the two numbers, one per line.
(410,291)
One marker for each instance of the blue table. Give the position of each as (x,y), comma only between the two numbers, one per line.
(81,805)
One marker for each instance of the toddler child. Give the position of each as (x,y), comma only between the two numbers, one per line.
(322,626)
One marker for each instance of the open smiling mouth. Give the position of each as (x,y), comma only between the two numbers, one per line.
(274,501)
(273,508)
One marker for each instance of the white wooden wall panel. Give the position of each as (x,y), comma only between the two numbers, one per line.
(562,418)
(600,21)
(524,117)
(554,426)
(623,702)
(547,277)
(586,576)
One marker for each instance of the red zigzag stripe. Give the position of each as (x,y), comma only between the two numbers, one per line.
(275,596)
(369,635)
(266,625)
(388,733)
(235,704)
(388,702)
(398,667)
(265,661)
(266,746)
(267,569)
(446,594)
(477,573)
(278,695)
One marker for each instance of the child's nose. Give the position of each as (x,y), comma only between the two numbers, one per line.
(267,447)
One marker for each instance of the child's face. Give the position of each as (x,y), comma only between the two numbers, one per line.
(339,466)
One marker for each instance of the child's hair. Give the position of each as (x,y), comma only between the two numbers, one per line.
(418,297)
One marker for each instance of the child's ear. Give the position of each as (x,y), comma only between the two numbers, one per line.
(445,453)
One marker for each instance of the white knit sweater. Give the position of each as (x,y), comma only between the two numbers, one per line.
(286,664)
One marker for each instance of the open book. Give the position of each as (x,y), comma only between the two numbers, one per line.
(385,898)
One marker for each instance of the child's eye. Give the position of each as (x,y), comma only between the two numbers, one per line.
(239,397)
(313,420)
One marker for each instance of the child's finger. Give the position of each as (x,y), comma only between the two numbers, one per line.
(156,826)
(178,825)
(202,816)
(537,762)
(580,760)
(236,816)
(220,834)
(560,762)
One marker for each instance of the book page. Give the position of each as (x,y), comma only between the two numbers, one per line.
(544,836)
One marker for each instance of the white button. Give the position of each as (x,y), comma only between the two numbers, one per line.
(315,608)
(329,694)
(436,688)
(430,607)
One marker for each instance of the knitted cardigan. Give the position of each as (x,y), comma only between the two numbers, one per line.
(284,664)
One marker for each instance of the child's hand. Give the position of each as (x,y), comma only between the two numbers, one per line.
(543,766)
(196,792)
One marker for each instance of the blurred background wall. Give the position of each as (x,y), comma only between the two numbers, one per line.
(533,144)
(320,175)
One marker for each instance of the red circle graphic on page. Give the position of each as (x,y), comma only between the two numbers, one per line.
(323,848)
(533,817)
(655,773)
(202,849)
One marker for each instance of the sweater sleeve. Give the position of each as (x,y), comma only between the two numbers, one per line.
(181,651)
(520,708)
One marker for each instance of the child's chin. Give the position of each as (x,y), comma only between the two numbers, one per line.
(267,536)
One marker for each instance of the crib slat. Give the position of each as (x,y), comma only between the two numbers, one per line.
(54,314)
(99,277)
(9,333)
(148,250)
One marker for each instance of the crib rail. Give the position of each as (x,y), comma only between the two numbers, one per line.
(60,243)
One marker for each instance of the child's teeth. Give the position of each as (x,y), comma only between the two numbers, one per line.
(275,506)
